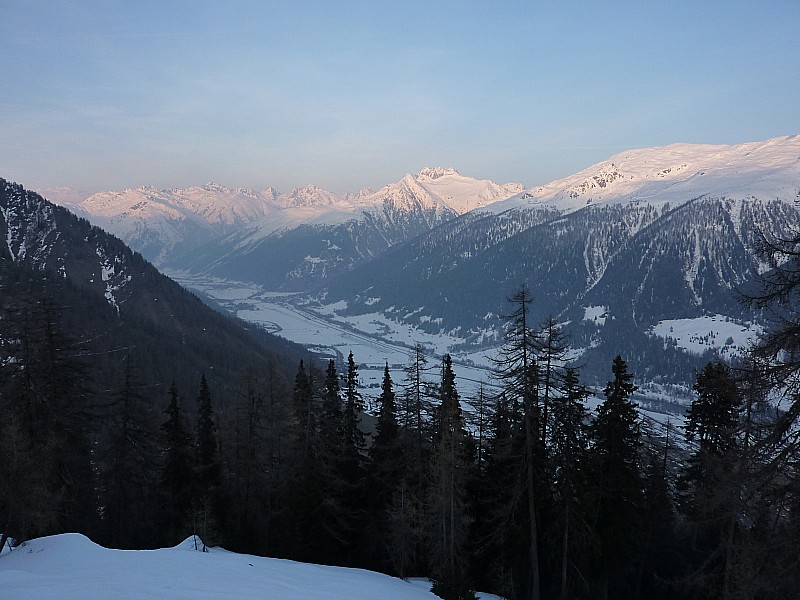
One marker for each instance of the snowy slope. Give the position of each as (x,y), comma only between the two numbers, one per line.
(674,174)
(71,567)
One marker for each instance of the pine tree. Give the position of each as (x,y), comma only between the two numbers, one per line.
(711,478)
(209,469)
(570,468)
(448,514)
(384,477)
(130,465)
(616,437)
(178,477)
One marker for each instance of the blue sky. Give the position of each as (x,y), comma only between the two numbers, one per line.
(106,95)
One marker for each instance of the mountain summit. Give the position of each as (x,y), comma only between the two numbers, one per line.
(674,174)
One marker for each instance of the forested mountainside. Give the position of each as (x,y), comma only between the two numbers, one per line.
(637,264)
(109,302)
(633,241)
(95,344)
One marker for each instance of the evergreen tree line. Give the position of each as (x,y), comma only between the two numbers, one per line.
(530,494)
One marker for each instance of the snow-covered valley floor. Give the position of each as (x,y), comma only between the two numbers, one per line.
(376,341)
(333,338)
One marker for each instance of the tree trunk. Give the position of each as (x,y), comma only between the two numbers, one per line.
(534,541)
(565,555)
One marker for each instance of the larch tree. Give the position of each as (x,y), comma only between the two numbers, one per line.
(518,375)
(552,349)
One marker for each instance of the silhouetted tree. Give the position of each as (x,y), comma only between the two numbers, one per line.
(178,484)
(448,516)
(518,373)
(615,452)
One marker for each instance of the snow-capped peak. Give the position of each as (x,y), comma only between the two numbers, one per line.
(310,195)
(675,174)
(436,172)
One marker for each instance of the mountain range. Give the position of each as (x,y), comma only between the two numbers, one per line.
(619,253)
(217,229)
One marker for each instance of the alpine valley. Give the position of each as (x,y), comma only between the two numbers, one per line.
(645,254)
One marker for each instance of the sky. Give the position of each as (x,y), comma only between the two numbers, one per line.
(104,95)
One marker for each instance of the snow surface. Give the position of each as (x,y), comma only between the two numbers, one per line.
(596,314)
(71,567)
(374,339)
(674,174)
(718,332)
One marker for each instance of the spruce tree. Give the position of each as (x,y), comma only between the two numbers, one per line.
(209,469)
(499,535)
(711,480)
(304,413)
(384,476)
(332,516)
(448,515)
(518,374)
(616,438)
(354,441)
(46,412)
(178,477)
(569,465)
(130,468)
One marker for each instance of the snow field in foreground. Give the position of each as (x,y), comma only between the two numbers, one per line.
(71,567)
